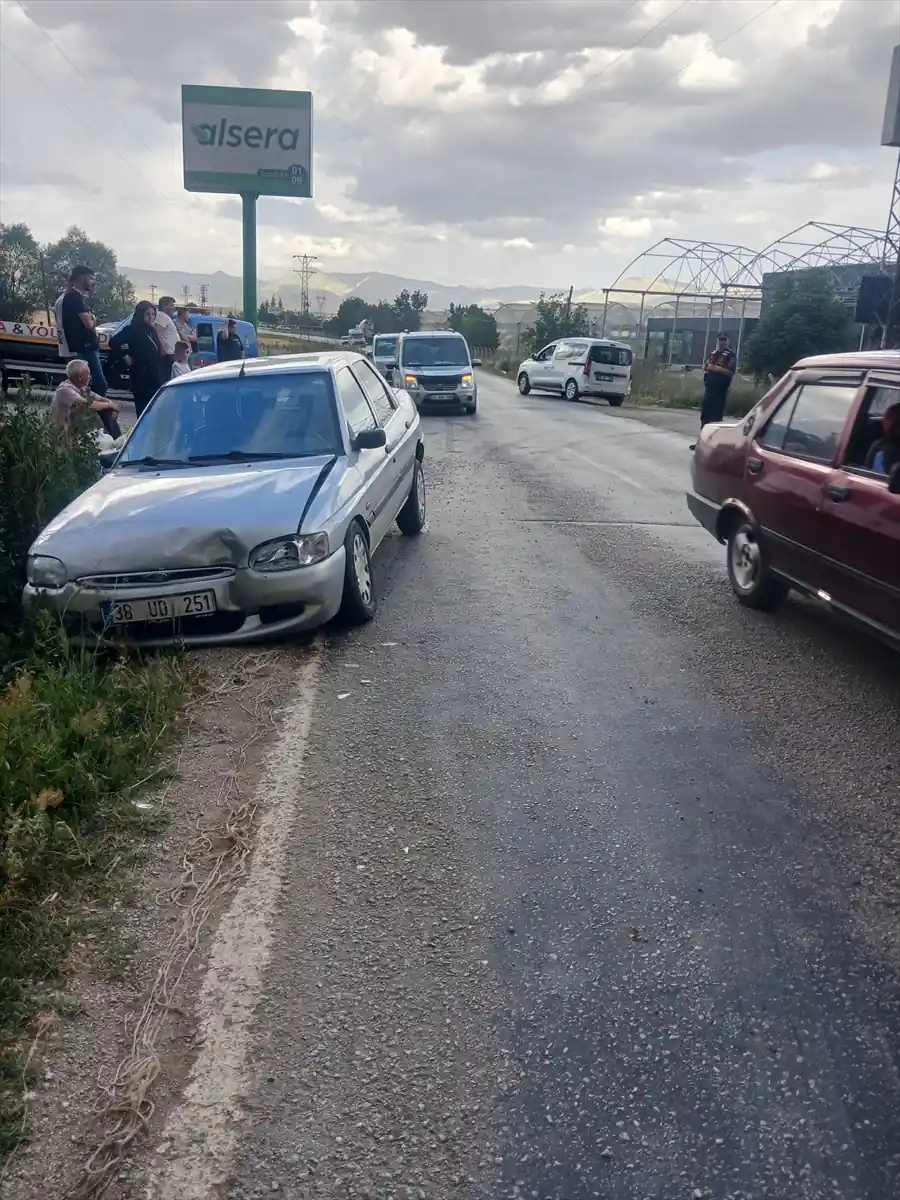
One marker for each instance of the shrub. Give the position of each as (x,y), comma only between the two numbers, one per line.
(42,469)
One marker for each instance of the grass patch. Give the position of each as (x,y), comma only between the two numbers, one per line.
(80,732)
(684,389)
(277,343)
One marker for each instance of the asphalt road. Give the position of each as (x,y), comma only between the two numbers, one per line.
(594,885)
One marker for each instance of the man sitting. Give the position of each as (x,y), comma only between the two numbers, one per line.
(74,394)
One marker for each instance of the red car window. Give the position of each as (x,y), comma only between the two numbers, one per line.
(810,421)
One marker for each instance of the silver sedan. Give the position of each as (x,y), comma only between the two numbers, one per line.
(247,502)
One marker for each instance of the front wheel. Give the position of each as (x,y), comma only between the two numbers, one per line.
(749,574)
(359,603)
(471,409)
(524,384)
(571,390)
(411,518)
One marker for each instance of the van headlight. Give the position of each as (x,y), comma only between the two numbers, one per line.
(410,383)
(467,383)
(289,552)
(45,572)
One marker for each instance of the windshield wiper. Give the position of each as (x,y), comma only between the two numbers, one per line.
(149,461)
(250,456)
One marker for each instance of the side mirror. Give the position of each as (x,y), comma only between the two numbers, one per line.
(476,362)
(894,481)
(370,439)
(108,457)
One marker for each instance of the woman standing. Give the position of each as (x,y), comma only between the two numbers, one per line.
(140,342)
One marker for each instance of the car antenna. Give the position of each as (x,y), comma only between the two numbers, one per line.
(243,367)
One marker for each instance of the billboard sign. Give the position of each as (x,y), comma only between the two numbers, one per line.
(247,141)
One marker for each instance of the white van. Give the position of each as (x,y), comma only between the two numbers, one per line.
(580,367)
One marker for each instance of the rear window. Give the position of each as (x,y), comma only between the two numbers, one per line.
(611,356)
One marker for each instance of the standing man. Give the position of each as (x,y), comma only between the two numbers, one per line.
(79,328)
(167,333)
(185,331)
(718,373)
(228,345)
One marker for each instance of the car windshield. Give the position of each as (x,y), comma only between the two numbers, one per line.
(384,346)
(435,352)
(275,416)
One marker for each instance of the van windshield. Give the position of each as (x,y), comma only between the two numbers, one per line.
(384,346)
(437,351)
(611,356)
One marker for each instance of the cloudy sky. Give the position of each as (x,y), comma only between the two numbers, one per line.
(479,141)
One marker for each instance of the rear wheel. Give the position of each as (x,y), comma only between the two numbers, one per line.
(751,578)
(524,384)
(571,391)
(359,603)
(411,518)
(615,401)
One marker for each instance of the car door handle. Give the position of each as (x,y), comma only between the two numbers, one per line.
(408,423)
(754,465)
(837,492)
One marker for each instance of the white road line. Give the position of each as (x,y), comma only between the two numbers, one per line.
(604,469)
(200,1138)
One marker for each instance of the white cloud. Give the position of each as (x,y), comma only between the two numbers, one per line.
(453,136)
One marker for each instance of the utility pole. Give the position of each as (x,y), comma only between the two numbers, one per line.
(305,270)
(186,293)
(568,311)
(890,136)
(204,295)
(153,290)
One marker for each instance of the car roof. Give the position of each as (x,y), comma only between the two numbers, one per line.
(277,364)
(866,360)
(427,333)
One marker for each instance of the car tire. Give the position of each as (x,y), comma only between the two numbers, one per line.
(359,603)
(615,401)
(570,391)
(471,409)
(411,518)
(524,384)
(749,574)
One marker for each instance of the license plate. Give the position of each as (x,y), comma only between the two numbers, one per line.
(603,378)
(158,608)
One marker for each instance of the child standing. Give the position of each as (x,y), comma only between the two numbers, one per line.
(181,366)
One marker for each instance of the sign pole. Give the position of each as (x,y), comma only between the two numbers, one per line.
(248,214)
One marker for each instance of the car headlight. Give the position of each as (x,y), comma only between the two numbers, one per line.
(45,572)
(290,552)
(467,383)
(410,383)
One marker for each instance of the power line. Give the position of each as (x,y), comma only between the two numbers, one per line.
(653,28)
(721,41)
(106,146)
(59,50)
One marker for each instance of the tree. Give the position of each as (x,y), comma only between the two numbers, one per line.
(113,293)
(351,311)
(805,317)
(477,326)
(21,291)
(555,318)
(407,309)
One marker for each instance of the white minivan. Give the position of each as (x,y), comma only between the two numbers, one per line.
(580,367)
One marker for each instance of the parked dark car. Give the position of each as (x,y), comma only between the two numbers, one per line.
(805,491)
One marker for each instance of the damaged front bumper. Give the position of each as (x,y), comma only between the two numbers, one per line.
(248,606)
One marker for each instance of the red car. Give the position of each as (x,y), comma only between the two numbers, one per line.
(805,491)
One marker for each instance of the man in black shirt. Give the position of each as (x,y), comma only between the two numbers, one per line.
(79,326)
(228,345)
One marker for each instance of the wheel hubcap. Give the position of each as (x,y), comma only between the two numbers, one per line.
(361,567)
(523,383)
(570,391)
(420,493)
(745,561)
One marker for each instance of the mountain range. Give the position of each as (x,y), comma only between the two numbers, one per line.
(328,289)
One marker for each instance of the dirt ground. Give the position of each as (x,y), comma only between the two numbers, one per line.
(107,1073)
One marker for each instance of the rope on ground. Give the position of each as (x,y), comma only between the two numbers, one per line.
(212,866)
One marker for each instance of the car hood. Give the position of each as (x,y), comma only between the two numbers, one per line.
(138,519)
(438,372)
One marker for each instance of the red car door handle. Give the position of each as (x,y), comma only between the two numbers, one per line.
(837,492)
(754,465)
